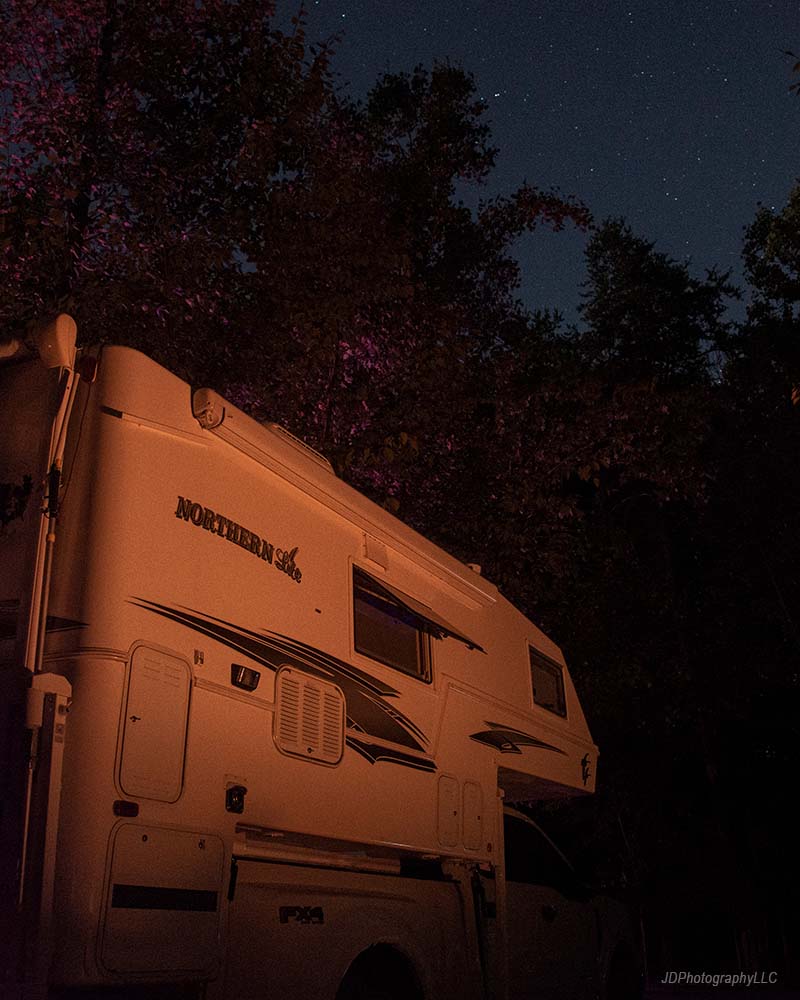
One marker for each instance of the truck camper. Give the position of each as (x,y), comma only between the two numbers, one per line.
(258,738)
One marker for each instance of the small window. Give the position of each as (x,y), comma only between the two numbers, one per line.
(548,683)
(385,629)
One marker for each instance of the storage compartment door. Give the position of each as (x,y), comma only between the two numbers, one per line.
(163,901)
(154,730)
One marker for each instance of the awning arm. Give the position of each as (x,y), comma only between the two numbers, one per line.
(429,620)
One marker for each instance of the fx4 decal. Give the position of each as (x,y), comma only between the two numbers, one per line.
(301,914)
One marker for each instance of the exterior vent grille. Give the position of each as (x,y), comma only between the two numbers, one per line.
(309,717)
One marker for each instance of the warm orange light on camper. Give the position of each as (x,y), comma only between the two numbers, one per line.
(125,808)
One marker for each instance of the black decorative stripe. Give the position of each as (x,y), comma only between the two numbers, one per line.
(367,706)
(156,897)
(508,740)
(55,624)
(9,614)
(373,753)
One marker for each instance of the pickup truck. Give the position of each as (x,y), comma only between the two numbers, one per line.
(565,940)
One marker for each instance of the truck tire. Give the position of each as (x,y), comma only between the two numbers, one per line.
(380,973)
(623,979)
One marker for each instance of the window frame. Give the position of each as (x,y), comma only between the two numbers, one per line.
(538,660)
(424,673)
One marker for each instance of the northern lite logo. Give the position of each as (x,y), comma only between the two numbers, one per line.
(218,524)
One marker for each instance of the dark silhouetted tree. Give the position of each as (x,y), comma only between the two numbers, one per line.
(646,316)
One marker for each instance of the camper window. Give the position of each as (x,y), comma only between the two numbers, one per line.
(548,683)
(385,630)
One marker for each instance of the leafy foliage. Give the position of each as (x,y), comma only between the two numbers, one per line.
(130,132)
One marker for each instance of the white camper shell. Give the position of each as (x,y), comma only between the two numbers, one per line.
(269,726)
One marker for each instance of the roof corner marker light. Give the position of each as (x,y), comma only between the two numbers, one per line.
(208,408)
(55,341)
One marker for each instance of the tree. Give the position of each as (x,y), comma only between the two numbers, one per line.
(646,317)
(764,352)
(185,179)
(129,131)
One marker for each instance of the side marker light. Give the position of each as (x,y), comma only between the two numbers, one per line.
(244,677)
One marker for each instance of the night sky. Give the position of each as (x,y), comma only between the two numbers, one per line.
(675,115)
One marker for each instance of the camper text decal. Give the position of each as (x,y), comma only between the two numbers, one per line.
(217,524)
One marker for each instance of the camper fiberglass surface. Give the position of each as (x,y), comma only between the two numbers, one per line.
(261,748)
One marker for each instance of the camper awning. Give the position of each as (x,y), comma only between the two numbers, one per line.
(419,614)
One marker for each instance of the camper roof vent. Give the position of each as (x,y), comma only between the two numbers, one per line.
(301,446)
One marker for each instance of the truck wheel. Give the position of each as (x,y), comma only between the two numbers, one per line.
(623,980)
(380,973)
